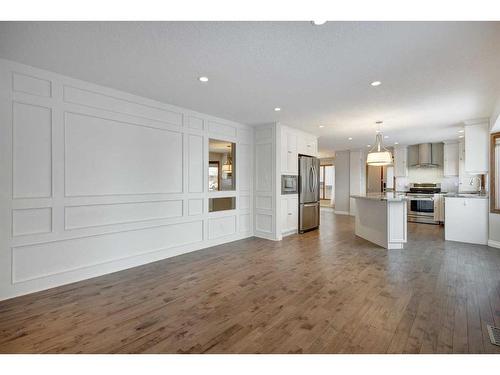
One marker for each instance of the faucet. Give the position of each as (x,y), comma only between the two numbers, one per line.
(479,179)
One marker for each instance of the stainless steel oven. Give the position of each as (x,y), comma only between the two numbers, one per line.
(421,202)
(421,208)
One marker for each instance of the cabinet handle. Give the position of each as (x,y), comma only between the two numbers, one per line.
(289,213)
(289,152)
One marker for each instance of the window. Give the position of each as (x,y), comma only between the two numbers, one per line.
(495,173)
(326,177)
(221,165)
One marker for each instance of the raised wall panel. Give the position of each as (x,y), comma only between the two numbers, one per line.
(245,223)
(195,207)
(31,85)
(195,164)
(264,203)
(245,167)
(34,261)
(32,151)
(244,202)
(222,129)
(31,221)
(195,123)
(264,223)
(245,136)
(111,103)
(118,213)
(108,157)
(263,155)
(264,134)
(221,226)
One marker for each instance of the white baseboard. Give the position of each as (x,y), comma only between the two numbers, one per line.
(342,212)
(492,243)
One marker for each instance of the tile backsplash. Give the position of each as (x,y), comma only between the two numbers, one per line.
(433,175)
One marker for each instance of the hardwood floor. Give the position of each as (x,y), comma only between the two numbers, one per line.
(325,291)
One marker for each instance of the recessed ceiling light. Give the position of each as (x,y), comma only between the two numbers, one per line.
(277,109)
(322,126)
(460,131)
(203,79)
(376,83)
(368,145)
(318,23)
(350,138)
(386,136)
(460,136)
(396,143)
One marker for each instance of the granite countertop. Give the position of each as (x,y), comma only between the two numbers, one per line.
(390,197)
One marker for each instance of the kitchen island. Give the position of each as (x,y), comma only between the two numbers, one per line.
(381,219)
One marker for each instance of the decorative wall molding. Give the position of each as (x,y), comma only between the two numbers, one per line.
(112,180)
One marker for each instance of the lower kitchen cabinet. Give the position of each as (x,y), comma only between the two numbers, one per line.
(289,214)
(466,220)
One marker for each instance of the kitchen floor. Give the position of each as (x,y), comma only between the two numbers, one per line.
(326,291)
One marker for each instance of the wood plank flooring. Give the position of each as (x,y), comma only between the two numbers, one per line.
(325,291)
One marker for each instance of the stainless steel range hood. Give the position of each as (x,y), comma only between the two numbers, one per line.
(428,156)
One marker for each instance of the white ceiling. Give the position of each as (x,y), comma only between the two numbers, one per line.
(434,75)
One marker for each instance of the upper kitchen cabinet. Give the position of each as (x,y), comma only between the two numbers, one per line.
(464,178)
(293,143)
(307,144)
(400,161)
(450,159)
(476,147)
(289,155)
(412,155)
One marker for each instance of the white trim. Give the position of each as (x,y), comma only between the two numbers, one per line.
(289,232)
(493,243)
(342,212)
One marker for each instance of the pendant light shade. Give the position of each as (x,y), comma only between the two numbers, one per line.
(227,167)
(379,155)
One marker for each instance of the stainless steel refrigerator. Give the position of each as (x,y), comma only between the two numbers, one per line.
(308,193)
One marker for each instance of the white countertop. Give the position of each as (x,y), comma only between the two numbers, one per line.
(390,197)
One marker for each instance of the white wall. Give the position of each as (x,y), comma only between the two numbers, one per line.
(357,177)
(342,182)
(94,180)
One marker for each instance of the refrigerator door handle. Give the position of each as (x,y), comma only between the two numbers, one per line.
(311,179)
(310,204)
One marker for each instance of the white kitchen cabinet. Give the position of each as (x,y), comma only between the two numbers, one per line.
(400,161)
(292,155)
(466,220)
(307,144)
(476,148)
(289,155)
(412,155)
(450,159)
(463,177)
(289,213)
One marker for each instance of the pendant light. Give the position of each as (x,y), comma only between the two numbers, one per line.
(379,155)
(227,167)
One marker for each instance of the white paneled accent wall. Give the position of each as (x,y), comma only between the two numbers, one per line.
(94,180)
(265,181)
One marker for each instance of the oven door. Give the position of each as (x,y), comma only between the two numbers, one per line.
(421,209)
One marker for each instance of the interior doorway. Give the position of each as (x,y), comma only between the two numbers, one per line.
(326,184)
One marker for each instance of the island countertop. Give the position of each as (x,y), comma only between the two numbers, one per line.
(390,197)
